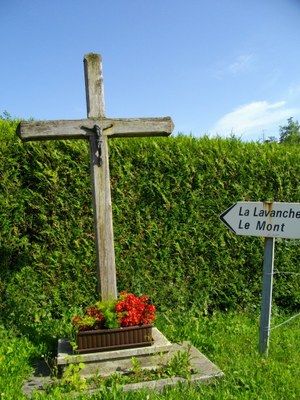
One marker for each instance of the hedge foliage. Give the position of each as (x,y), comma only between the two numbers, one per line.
(167,196)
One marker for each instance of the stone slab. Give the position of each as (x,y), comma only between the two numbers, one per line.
(108,362)
(155,356)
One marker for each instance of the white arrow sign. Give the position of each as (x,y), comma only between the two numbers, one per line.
(267,219)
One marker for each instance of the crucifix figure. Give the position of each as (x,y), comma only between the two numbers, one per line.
(97,129)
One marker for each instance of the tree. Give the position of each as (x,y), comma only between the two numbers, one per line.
(6,116)
(290,133)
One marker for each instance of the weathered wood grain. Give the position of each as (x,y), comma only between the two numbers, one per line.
(83,128)
(94,86)
(103,224)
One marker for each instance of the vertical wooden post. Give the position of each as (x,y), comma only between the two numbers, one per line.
(266,304)
(105,255)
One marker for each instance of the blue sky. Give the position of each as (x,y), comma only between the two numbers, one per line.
(214,66)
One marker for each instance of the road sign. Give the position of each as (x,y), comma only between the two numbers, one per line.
(267,219)
(270,220)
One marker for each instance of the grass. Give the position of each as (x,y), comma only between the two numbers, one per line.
(230,340)
(16,355)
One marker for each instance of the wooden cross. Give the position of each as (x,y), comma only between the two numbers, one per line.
(98,129)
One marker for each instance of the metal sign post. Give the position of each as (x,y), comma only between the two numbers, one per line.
(266,303)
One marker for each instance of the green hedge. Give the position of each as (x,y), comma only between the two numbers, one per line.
(167,195)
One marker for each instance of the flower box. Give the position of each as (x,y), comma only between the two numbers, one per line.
(114,339)
(114,324)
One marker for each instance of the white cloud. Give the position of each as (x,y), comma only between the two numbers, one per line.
(294,91)
(241,63)
(251,119)
(271,78)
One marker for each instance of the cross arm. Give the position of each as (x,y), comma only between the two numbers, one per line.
(83,129)
(134,127)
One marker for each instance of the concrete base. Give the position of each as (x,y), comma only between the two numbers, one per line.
(108,362)
(155,356)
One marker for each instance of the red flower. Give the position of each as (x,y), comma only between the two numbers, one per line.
(95,313)
(134,310)
(127,310)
